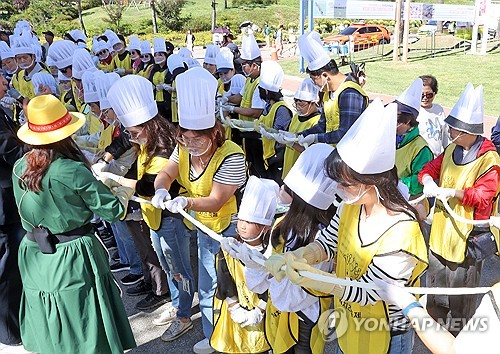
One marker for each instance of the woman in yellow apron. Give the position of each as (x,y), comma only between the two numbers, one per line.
(160,77)
(176,66)
(211,169)
(375,234)
(101,50)
(147,60)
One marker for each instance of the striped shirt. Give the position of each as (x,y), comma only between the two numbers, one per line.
(394,268)
(231,171)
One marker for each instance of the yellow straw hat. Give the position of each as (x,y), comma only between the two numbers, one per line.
(49,121)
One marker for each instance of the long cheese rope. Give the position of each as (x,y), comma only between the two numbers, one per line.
(333,279)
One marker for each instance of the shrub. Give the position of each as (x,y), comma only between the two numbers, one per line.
(169,13)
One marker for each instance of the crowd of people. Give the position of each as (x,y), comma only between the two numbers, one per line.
(111,143)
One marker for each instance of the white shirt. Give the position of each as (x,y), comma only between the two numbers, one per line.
(433,128)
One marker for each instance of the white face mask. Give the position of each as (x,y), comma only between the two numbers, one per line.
(348,198)
(455,139)
(13,71)
(196,152)
(225,80)
(135,57)
(25,66)
(145,60)
(159,60)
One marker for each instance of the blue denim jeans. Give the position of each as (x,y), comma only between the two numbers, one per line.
(171,244)
(400,344)
(207,276)
(126,247)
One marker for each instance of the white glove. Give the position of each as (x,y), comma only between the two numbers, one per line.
(393,294)
(222,100)
(166,87)
(254,317)
(247,256)
(8,102)
(120,71)
(495,221)
(231,246)
(228,108)
(445,193)
(99,167)
(102,176)
(175,204)
(160,198)
(159,87)
(430,187)
(238,314)
(265,134)
(284,137)
(310,139)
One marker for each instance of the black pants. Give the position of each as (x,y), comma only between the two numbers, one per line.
(254,155)
(10,283)
(151,268)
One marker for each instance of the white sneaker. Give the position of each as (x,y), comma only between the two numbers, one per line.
(166,317)
(203,347)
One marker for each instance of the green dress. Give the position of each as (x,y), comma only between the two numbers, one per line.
(70,302)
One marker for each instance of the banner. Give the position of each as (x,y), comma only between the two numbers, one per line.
(377,10)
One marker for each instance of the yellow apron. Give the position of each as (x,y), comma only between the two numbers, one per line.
(268,121)
(126,63)
(94,122)
(228,336)
(202,186)
(159,78)
(246,99)
(449,237)
(173,104)
(25,87)
(331,104)
(353,260)
(107,68)
(145,72)
(106,137)
(296,126)
(75,96)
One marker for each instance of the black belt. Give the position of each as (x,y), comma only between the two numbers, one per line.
(48,241)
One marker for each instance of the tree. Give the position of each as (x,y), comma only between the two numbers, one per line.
(214,14)
(153,15)
(115,14)
(7,9)
(170,13)
(80,17)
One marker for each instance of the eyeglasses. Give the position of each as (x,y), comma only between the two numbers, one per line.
(133,135)
(301,103)
(428,95)
(145,56)
(196,142)
(65,70)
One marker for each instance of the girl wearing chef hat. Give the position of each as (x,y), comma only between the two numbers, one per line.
(161,77)
(211,169)
(375,234)
(122,62)
(147,60)
(239,326)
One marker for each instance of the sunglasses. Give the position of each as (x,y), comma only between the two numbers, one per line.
(145,56)
(428,95)
(101,53)
(65,70)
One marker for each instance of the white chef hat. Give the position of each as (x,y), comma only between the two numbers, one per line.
(224,60)
(78,35)
(308,179)
(82,61)
(89,87)
(5,51)
(45,79)
(192,62)
(37,48)
(132,100)
(307,91)
(98,46)
(159,45)
(134,43)
(312,51)
(174,61)
(61,77)
(22,44)
(146,47)
(196,89)
(409,101)
(184,53)
(249,47)
(112,38)
(468,113)
(103,83)
(369,146)
(23,24)
(259,201)
(211,54)
(61,53)
(271,76)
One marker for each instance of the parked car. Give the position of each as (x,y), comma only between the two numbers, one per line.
(364,36)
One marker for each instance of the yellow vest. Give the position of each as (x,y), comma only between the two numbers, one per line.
(405,155)
(202,186)
(296,126)
(173,104)
(107,68)
(282,328)
(220,87)
(228,336)
(94,122)
(15,81)
(150,214)
(75,96)
(268,121)
(331,104)
(246,100)
(159,78)
(145,72)
(126,63)
(25,87)
(448,236)
(106,137)
(353,260)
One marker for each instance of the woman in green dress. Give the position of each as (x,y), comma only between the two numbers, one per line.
(70,302)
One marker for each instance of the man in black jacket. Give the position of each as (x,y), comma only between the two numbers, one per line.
(11,231)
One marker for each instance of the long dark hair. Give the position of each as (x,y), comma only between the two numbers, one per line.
(301,223)
(386,182)
(160,134)
(40,157)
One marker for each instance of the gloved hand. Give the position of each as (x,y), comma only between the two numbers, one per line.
(167,87)
(221,100)
(495,221)
(160,198)
(99,167)
(8,102)
(108,175)
(120,71)
(430,187)
(274,264)
(228,108)
(254,317)
(393,294)
(238,314)
(110,183)
(445,193)
(123,194)
(311,254)
(284,137)
(175,204)
(310,139)
(231,246)
(293,266)
(247,256)
(265,134)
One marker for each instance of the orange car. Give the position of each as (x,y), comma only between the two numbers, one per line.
(364,35)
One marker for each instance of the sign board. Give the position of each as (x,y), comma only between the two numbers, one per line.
(329,8)
(380,10)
